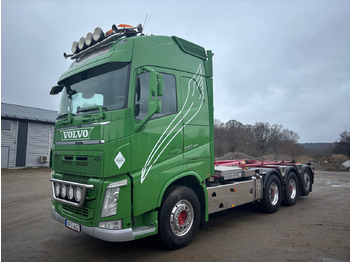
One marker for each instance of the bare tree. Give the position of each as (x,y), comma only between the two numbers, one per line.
(343,143)
(257,139)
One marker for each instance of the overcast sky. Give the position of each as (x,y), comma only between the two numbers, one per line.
(281,62)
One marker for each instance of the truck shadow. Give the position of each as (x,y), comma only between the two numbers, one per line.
(232,221)
(148,247)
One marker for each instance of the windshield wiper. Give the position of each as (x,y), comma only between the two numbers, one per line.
(68,120)
(93,108)
(90,108)
(64,115)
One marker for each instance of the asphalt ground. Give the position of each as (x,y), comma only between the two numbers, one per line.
(317,228)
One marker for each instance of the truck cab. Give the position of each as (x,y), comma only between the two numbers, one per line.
(135,126)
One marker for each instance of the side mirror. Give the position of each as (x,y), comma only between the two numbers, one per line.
(155,89)
(56,90)
(155,81)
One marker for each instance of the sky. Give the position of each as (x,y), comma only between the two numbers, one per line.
(281,62)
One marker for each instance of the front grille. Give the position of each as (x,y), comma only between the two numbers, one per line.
(78,165)
(80,212)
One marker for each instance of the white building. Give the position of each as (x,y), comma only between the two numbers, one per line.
(26,135)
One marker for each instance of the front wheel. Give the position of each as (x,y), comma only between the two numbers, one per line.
(179,217)
(272,195)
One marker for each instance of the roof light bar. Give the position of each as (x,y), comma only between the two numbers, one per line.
(98,37)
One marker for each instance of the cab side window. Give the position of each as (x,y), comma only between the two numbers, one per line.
(168,99)
(141,96)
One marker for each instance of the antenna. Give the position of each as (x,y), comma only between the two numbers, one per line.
(147,20)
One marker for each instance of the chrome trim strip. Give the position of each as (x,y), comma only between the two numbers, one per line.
(86,125)
(85,142)
(118,184)
(70,183)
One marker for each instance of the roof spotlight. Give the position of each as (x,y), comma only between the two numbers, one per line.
(89,39)
(98,34)
(140,28)
(114,28)
(75,47)
(82,44)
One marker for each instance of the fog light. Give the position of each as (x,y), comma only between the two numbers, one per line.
(117,224)
(77,194)
(63,191)
(70,192)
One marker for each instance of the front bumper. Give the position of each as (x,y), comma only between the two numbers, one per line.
(120,235)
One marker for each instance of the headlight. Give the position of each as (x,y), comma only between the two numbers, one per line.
(63,191)
(110,202)
(77,194)
(70,192)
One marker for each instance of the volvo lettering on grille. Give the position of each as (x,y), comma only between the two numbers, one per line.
(76,134)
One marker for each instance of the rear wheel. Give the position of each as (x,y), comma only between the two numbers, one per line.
(272,195)
(179,217)
(291,191)
(305,182)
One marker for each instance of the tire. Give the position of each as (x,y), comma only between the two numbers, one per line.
(291,190)
(305,182)
(272,195)
(179,217)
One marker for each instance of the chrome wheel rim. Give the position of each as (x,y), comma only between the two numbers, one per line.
(273,193)
(181,218)
(307,180)
(292,188)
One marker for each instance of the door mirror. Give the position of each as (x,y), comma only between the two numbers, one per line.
(149,86)
(56,90)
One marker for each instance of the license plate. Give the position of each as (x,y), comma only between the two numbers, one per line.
(72,225)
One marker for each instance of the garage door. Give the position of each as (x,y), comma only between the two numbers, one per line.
(5,156)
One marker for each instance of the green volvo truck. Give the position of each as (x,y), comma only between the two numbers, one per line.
(133,152)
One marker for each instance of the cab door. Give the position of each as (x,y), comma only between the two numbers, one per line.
(157,144)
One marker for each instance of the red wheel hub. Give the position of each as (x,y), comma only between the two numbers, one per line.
(182,218)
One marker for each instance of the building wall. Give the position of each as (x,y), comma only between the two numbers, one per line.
(39,143)
(9,139)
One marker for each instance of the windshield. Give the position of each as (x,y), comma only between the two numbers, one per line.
(104,86)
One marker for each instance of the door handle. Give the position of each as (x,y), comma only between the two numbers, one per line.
(174,150)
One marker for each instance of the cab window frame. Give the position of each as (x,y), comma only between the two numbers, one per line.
(169,90)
